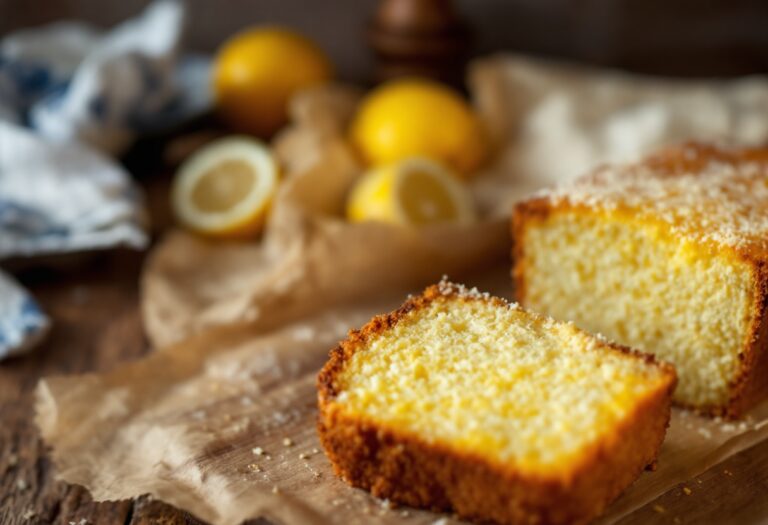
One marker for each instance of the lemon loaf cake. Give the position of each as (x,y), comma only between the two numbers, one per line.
(667,256)
(460,401)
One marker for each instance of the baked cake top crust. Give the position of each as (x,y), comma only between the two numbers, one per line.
(705,193)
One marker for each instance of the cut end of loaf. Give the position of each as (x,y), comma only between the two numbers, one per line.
(629,279)
(666,256)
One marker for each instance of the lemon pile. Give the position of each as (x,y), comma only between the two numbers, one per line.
(421,141)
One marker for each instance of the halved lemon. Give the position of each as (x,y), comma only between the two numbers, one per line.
(225,189)
(414,191)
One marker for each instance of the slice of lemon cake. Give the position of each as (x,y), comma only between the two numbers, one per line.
(460,401)
(668,256)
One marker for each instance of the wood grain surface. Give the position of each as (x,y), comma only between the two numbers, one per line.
(94,304)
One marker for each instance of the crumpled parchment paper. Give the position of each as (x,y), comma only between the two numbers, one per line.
(220,420)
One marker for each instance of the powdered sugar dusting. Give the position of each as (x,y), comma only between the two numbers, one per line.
(447,287)
(725,203)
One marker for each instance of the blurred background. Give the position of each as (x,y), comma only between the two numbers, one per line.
(676,37)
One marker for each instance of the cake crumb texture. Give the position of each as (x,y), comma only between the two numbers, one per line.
(461,401)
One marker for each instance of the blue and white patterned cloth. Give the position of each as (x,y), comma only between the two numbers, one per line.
(22,323)
(70,98)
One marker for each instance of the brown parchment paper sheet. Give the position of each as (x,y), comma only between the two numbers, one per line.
(220,419)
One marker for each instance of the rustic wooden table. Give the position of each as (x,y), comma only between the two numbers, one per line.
(94,306)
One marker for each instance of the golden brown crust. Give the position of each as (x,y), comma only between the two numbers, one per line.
(400,466)
(750,384)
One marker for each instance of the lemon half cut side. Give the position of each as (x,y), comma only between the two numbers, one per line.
(225,189)
(416,191)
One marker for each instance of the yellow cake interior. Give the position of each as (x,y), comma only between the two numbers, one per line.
(631,280)
(495,381)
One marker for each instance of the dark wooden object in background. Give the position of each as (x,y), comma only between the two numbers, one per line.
(419,38)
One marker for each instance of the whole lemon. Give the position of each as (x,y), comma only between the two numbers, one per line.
(257,71)
(417,117)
